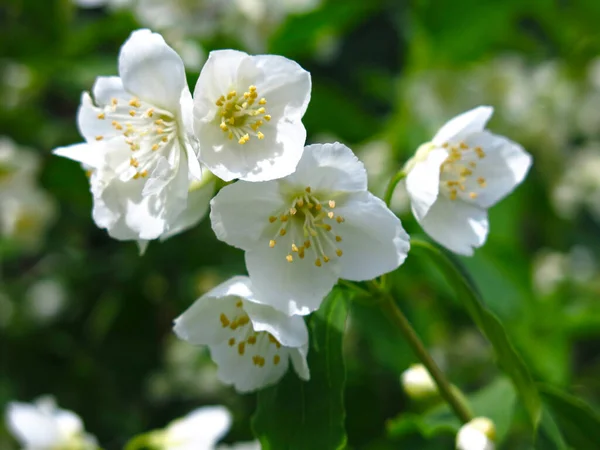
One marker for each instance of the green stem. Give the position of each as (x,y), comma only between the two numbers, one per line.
(389,191)
(445,389)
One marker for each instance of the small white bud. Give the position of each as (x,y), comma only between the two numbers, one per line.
(417,382)
(478,434)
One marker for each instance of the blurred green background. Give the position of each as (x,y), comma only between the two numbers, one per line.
(85,318)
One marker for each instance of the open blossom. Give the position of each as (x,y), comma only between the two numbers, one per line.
(139,145)
(456,177)
(303,232)
(43,426)
(478,434)
(247,115)
(252,344)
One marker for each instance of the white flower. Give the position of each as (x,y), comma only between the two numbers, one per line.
(199,430)
(417,382)
(138,141)
(247,115)
(456,177)
(303,232)
(250,343)
(43,426)
(478,434)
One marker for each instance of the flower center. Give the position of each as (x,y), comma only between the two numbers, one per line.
(145,128)
(241,116)
(309,223)
(261,345)
(457,176)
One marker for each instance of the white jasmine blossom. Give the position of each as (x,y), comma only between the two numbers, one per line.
(139,145)
(478,434)
(201,429)
(456,177)
(251,343)
(247,115)
(303,232)
(44,426)
(417,382)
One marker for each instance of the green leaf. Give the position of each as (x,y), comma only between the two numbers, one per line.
(298,415)
(492,328)
(495,401)
(579,423)
(549,436)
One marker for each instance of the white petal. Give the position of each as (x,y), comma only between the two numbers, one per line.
(290,331)
(107,88)
(284,83)
(91,154)
(423,182)
(275,156)
(239,370)
(216,78)
(200,324)
(504,167)
(329,168)
(32,427)
(240,212)
(293,288)
(298,357)
(152,70)
(457,225)
(202,428)
(90,126)
(197,206)
(68,423)
(373,240)
(464,124)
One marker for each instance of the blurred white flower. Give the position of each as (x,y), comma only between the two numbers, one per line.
(98,3)
(15,79)
(46,299)
(25,210)
(251,343)
(551,268)
(303,232)
(199,430)
(417,382)
(456,177)
(579,185)
(139,142)
(478,434)
(248,115)
(253,445)
(44,426)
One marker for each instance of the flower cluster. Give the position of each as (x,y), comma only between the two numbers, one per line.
(302,214)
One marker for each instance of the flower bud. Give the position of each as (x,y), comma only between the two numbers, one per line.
(417,382)
(478,434)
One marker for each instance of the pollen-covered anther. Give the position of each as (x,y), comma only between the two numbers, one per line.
(289,258)
(231,342)
(135,102)
(252,340)
(258,360)
(276,359)
(241,348)
(473,195)
(101,116)
(272,243)
(224,320)
(133,162)
(480,152)
(99,138)
(481,181)
(241,116)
